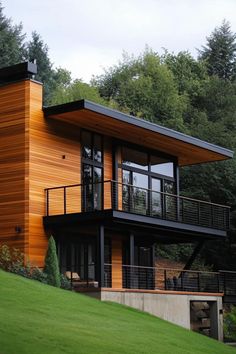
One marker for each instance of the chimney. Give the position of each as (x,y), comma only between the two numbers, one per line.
(17,72)
(20,103)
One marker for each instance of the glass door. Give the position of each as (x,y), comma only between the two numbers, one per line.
(135,192)
(92,188)
(86,260)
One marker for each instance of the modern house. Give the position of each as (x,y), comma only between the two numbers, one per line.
(106,186)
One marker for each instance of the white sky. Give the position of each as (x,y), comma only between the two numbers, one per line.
(87,36)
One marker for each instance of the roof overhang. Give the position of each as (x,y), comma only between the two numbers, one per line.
(88,115)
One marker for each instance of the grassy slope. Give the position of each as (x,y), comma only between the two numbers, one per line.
(39,319)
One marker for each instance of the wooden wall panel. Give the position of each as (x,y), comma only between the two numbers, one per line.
(14,120)
(54,161)
(36,153)
(116,262)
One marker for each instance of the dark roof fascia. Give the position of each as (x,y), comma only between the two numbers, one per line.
(94,107)
(18,72)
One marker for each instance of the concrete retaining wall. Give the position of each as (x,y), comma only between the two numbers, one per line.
(174,308)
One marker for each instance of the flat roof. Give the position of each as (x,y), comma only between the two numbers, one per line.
(111,122)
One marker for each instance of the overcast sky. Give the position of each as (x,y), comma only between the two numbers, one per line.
(86,36)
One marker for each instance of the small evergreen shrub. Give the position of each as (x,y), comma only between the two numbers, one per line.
(65,283)
(51,267)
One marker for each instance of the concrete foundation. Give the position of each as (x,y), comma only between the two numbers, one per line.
(173,307)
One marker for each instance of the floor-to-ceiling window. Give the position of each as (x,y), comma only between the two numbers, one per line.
(145,176)
(92,171)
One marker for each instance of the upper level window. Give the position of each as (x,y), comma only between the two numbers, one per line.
(134,158)
(153,164)
(91,146)
(162,166)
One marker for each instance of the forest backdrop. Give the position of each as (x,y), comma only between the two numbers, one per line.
(196,96)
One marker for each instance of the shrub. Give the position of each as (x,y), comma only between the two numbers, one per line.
(11,259)
(230,325)
(65,283)
(38,274)
(51,264)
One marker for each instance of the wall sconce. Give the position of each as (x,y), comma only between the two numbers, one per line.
(18,229)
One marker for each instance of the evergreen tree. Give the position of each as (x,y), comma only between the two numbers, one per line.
(11,41)
(220,52)
(51,267)
(37,50)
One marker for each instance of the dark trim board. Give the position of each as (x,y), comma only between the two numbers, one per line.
(123,221)
(84,104)
(18,72)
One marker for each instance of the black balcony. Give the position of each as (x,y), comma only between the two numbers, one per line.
(169,279)
(112,195)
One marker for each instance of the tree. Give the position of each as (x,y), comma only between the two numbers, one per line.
(51,267)
(37,50)
(144,87)
(11,41)
(220,52)
(67,90)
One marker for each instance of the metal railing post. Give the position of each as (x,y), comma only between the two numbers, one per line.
(64,200)
(198,282)
(165,279)
(47,202)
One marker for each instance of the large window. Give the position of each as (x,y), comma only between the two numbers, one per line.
(92,171)
(145,177)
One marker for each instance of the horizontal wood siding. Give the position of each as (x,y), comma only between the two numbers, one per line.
(14,118)
(54,161)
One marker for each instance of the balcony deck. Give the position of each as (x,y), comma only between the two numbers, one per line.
(125,203)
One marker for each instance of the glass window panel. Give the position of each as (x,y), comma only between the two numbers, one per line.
(162,166)
(97,148)
(170,201)
(140,180)
(87,174)
(126,177)
(86,141)
(97,175)
(97,188)
(133,158)
(169,187)
(126,189)
(156,198)
(87,187)
(140,193)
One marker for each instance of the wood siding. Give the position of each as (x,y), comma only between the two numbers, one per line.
(37,153)
(14,157)
(54,161)
(116,262)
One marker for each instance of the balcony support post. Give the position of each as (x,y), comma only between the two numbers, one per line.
(193,256)
(100,256)
(177,193)
(131,261)
(114,186)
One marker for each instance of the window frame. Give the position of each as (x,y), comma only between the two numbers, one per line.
(93,164)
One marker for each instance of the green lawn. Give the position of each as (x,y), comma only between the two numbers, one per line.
(39,319)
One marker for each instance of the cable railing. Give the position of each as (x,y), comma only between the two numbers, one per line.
(168,279)
(135,200)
